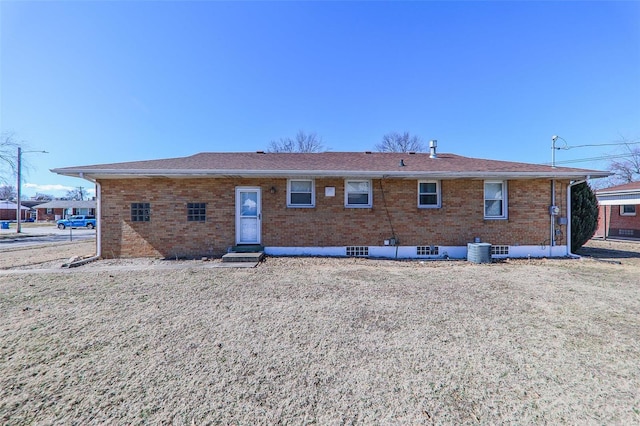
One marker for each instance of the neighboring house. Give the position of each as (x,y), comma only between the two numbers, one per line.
(32,211)
(8,210)
(404,205)
(60,209)
(619,211)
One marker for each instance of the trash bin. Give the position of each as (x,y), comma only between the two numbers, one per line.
(4,225)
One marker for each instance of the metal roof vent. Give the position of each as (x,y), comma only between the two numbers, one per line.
(433,144)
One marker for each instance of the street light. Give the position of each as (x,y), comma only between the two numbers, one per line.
(19,186)
(554,138)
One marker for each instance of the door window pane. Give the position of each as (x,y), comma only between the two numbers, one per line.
(249,204)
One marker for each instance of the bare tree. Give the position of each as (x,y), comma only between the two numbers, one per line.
(43,197)
(8,156)
(627,170)
(303,142)
(8,192)
(77,194)
(400,142)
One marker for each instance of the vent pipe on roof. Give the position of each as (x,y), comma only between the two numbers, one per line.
(433,144)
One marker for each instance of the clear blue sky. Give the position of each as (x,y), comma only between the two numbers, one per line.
(113,81)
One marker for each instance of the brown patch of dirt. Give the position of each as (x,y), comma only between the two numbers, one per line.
(624,251)
(318,340)
(50,255)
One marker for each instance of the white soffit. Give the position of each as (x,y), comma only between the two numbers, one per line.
(617,200)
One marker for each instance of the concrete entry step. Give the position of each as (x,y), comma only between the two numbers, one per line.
(243,257)
(247,248)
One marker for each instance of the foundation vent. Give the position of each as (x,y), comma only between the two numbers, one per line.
(357,251)
(427,250)
(625,232)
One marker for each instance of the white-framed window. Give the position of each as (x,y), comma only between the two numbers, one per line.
(357,193)
(628,210)
(301,193)
(495,199)
(429,194)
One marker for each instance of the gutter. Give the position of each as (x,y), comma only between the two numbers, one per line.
(571,185)
(372,174)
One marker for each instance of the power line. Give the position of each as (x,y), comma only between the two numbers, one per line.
(599,144)
(584,160)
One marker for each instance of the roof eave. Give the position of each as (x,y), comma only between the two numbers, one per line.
(92,174)
(622,192)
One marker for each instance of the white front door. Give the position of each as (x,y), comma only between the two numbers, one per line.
(248,215)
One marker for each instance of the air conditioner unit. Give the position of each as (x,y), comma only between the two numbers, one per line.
(479,252)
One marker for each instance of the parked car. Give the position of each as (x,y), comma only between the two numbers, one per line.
(77,221)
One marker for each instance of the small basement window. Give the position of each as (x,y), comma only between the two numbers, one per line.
(358,251)
(499,250)
(427,250)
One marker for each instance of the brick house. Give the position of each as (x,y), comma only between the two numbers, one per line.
(60,209)
(9,210)
(619,211)
(404,205)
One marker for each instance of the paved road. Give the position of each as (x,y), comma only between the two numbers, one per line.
(41,235)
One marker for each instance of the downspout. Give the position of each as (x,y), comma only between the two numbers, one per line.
(99,220)
(98,230)
(571,185)
(552,239)
(606,226)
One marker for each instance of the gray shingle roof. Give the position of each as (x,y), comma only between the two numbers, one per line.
(66,204)
(632,186)
(368,164)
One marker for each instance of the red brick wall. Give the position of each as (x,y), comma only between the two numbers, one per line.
(457,222)
(10,214)
(43,216)
(615,222)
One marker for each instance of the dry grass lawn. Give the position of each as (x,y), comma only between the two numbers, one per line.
(329,341)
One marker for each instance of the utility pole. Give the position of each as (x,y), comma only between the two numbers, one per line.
(19,187)
(18,212)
